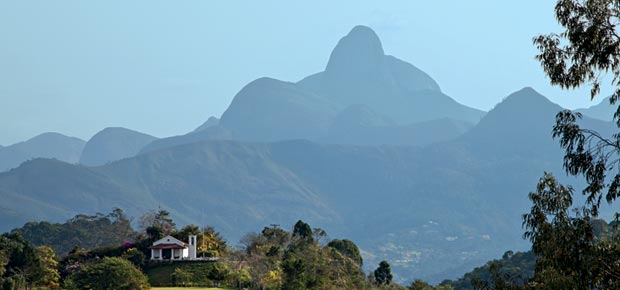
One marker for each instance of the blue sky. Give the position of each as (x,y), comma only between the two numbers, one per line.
(164,67)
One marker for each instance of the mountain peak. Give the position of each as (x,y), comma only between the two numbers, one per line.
(361,50)
(526,97)
(113,143)
(524,117)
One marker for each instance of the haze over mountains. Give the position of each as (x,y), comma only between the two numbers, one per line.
(385,159)
(602,111)
(46,145)
(111,144)
(358,73)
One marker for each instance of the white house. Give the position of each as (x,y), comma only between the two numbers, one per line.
(170,248)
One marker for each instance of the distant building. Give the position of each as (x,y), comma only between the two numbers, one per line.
(170,248)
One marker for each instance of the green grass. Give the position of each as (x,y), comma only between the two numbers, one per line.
(185,288)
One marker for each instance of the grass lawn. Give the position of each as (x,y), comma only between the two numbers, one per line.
(185,288)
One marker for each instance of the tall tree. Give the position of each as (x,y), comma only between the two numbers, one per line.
(47,268)
(302,230)
(24,266)
(563,242)
(569,257)
(587,50)
(383,274)
(159,219)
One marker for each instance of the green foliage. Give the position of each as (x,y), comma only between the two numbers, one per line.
(107,251)
(418,284)
(154,233)
(4,260)
(182,278)
(294,270)
(587,46)
(82,231)
(203,274)
(383,274)
(157,223)
(110,273)
(278,259)
(513,269)
(422,285)
(568,254)
(347,248)
(186,231)
(49,276)
(209,242)
(562,242)
(302,230)
(135,256)
(212,243)
(24,266)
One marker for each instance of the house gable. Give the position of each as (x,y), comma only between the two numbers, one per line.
(169,240)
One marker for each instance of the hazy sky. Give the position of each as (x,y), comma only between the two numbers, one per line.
(164,67)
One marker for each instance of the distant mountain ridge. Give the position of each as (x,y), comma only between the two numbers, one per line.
(434,202)
(46,145)
(113,143)
(211,122)
(358,73)
(602,111)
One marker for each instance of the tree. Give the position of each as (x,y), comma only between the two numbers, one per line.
(568,255)
(418,284)
(563,242)
(134,256)
(294,269)
(587,49)
(110,273)
(302,230)
(592,45)
(85,231)
(182,277)
(47,268)
(347,248)
(212,242)
(186,231)
(383,274)
(23,266)
(154,233)
(159,219)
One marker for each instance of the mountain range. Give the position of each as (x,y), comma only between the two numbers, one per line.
(602,111)
(46,145)
(369,149)
(111,144)
(418,206)
(364,97)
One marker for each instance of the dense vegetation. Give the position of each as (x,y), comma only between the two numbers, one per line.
(82,231)
(23,266)
(303,258)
